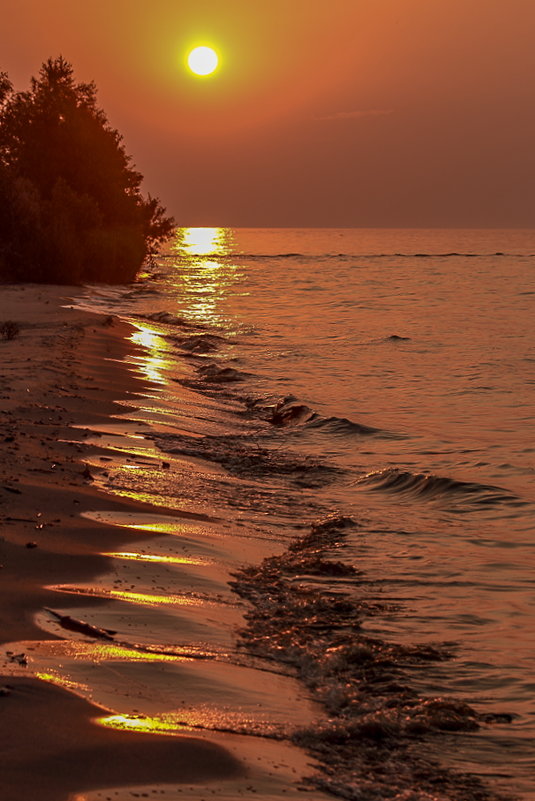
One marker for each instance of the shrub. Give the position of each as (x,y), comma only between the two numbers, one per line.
(71,207)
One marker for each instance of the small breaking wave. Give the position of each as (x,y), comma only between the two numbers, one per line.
(220,375)
(242,457)
(288,412)
(200,343)
(341,425)
(376,740)
(172,319)
(435,488)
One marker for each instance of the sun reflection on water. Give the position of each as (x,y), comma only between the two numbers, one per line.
(151,557)
(53,677)
(151,363)
(203,241)
(159,524)
(142,724)
(206,272)
(145,599)
(63,652)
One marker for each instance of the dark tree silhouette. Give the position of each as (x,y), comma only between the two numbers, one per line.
(71,207)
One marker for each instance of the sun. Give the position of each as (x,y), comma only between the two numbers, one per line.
(203,60)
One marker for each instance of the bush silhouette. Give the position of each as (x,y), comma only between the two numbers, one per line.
(71,208)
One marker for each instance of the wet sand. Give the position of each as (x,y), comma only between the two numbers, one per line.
(61,379)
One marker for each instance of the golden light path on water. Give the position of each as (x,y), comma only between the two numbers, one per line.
(53,677)
(161,524)
(151,363)
(206,272)
(152,557)
(203,241)
(81,650)
(165,724)
(145,599)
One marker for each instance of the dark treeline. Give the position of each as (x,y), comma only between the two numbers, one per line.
(71,208)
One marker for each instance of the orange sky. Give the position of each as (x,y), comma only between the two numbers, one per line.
(324,112)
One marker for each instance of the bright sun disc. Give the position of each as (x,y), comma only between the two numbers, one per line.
(202,60)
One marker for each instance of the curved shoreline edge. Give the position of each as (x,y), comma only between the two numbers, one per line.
(62,371)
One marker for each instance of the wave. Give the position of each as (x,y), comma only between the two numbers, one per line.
(286,413)
(451,255)
(377,736)
(172,319)
(431,487)
(276,256)
(220,375)
(246,458)
(341,425)
(200,343)
(289,413)
(217,254)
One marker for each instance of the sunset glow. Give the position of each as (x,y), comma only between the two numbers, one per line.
(267,475)
(348,114)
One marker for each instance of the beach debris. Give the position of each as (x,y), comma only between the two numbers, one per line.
(497,717)
(31,545)
(86,473)
(20,659)
(14,490)
(80,626)
(9,329)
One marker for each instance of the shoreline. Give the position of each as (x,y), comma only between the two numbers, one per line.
(61,374)
(129,662)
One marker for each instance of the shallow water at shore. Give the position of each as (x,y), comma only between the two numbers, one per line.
(386,376)
(382,381)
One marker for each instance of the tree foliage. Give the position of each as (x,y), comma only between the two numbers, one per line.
(71,207)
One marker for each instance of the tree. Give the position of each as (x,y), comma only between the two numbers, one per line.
(71,207)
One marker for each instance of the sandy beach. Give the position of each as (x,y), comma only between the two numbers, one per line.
(66,734)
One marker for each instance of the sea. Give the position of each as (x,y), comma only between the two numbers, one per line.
(346,420)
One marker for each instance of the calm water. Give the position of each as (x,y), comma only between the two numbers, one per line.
(383,375)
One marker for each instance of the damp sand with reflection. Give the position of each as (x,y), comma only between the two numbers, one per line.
(59,684)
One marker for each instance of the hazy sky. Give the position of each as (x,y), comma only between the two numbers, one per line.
(324,112)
